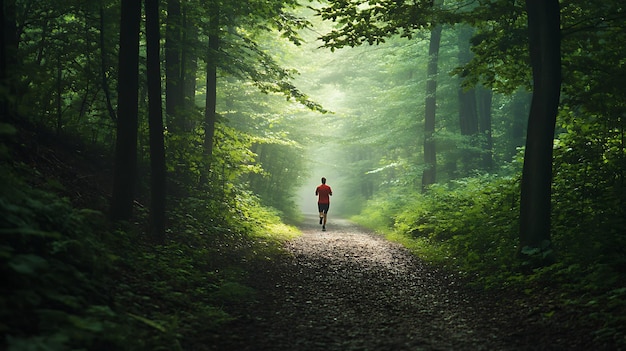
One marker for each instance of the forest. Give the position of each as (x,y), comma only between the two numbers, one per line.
(153,153)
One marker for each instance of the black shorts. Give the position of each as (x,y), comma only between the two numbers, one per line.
(323,207)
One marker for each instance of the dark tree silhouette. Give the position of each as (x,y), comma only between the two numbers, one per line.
(8,55)
(103,66)
(545,55)
(468,110)
(173,67)
(210,115)
(484,97)
(429,176)
(155,118)
(125,172)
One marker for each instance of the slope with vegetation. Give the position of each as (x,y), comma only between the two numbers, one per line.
(74,280)
(124,227)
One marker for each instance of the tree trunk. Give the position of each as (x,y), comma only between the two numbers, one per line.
(468,117)
(545,56)
(468,113)
(189,68)
(155,119)
(3,46)
(174,98)
(210,115)
(519,117)
(59,97)
(485,97)
(430,155)
(103,68)
(125,172)
(8,57)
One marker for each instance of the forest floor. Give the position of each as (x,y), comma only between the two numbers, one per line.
(350,289)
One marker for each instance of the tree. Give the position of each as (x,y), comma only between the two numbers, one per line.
(518,106)
(155,118)
(125,173)
(429,175)
(174,93)
(468,110)
(104,65)
(474,111)
(181,63)
(210,114)
(8,50)
(189,65)
(484,100)
(8,57)
(545,55)
(235,52)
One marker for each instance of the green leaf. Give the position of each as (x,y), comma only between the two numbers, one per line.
(149,322)
(86,323)
(28,264)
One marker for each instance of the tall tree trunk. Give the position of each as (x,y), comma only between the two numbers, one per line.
(210,115)
(59,97)
(484,98)
(174,100)
(519,117)
(468,117)
(155,119)
(3,46)
(430,155)
(545,56)
(468,112)
(8,57)
(125,172)
(189,67)
(103,67)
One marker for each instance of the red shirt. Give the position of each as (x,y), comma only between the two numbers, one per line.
(324,193)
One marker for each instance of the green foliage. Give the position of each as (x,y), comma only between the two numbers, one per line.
(273,135)
(257,66)
(470,223)
(59,77)
(73,281)
(372,22)
(53,271)
(500,43)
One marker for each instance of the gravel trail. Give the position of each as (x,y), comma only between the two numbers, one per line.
(349,289)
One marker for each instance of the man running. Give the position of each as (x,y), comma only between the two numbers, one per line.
(324,193)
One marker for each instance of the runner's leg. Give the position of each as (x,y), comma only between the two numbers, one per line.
(321,211)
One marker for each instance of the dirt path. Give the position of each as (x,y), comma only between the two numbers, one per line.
(347,289)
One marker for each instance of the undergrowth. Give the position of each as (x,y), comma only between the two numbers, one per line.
(71,280)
